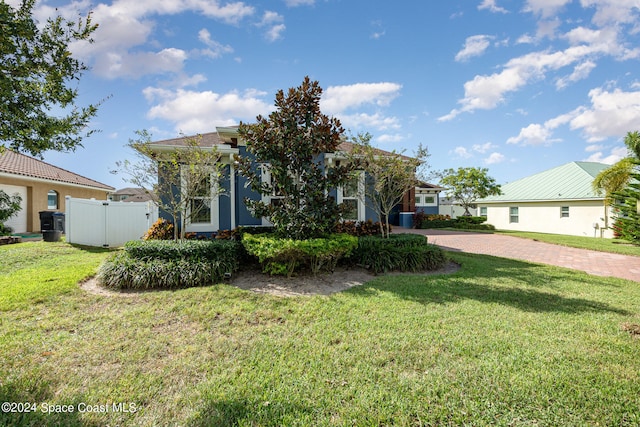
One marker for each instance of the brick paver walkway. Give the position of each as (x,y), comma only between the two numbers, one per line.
(592,262)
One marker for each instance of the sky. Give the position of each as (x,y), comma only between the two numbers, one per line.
(517,87)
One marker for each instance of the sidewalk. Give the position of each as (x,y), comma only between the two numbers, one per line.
(592,262)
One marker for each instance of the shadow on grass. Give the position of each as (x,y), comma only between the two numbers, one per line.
(243,412)
(522,285)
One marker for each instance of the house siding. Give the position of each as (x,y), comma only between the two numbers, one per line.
(545,217)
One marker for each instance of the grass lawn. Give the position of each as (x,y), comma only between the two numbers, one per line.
(615,246)
(500,342)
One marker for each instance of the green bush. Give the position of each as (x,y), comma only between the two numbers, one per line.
(472,226)
(280,256)
(167,264)
(471,219)
(360,228)
(400,252)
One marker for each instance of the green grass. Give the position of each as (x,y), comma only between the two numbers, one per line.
(596,244)
(501,342)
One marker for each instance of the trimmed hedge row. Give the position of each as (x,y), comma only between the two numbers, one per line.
(280,256)
(170,265)
(441,221)
(400,252)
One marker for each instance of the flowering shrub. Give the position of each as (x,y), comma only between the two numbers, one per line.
(160,230)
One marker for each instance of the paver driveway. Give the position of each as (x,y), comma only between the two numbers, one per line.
(592,262)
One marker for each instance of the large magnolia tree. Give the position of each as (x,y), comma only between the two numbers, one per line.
(37,75)
(288,147)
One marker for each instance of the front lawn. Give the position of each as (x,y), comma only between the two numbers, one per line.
(501,342)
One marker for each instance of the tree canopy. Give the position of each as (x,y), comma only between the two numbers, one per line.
(621,183)
(389,176)
(288,146)
(182,181)
(466,185)
(36,74)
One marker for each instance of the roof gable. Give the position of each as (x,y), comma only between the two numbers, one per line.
(18,164)
(572,181)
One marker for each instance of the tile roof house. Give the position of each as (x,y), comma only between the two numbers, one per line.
(557,201)
(130,195)
(42,187)
(228,211)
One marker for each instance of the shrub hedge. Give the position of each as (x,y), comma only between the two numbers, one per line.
(400,252)
(168,264)
(281,256)
(424,221)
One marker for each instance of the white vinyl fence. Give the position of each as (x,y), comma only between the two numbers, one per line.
(105,223)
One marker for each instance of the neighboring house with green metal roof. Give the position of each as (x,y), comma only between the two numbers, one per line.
(558,201)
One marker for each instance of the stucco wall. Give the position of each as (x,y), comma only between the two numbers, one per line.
(545,217)
(37,193)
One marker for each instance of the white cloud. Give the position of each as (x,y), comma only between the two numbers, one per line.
(494,158)
(613,11)
(545,8)
(491,6)
(486,92)
(388,138)
(135,65)
(368,121)
(541,134)
(274,24)
(483,148)
(339,100)
(474,46)
(612,114)
(615,155)
(336,99)
(462,152)
(126,25)
(534,134)
(580,72)
(296,3)
(196,112)
(215,49)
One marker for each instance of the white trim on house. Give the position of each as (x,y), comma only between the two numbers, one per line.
(359,198)
(213,205)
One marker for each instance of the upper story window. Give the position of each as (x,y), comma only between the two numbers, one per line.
(52,199)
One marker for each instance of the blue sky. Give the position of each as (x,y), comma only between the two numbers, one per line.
(515,86)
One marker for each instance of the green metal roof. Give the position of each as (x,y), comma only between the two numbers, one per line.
(571,181)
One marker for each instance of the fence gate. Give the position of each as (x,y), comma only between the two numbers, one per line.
(105,223)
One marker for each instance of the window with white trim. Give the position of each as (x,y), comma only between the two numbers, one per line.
(483,211)
(564,212)
(203,206)
(513,215)
(52,199)
(351,195)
